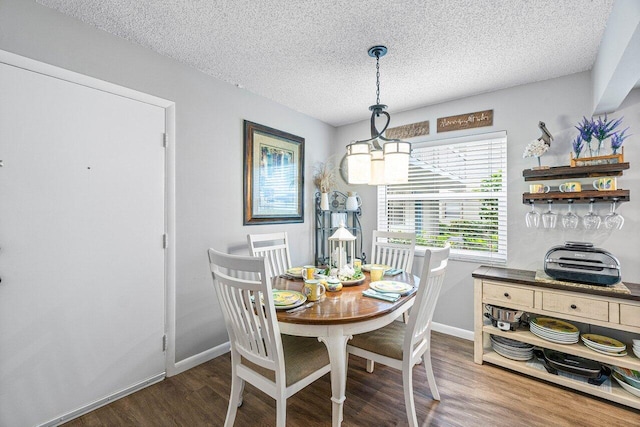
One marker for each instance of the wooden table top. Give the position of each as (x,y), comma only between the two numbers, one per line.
(345,306)
(528,277)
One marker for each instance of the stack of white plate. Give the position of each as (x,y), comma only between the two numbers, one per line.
(554,330)
(636,348)
(511,349)
(604,345)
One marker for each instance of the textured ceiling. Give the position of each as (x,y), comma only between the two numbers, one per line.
(312,55)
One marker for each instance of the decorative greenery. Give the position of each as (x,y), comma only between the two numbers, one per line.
(598,130)
(578,143)
(324,177)
(617,139)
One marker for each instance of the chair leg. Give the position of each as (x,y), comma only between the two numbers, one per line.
(281,411)
(428,367)
(407,385)
(370,365)
(235,400)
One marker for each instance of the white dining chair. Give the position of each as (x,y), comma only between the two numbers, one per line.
(274,247)
(395,249)
(402,345)
(279,365)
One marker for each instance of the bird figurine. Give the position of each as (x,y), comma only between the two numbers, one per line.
(546,135)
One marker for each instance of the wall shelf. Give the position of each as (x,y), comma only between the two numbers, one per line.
(568,172)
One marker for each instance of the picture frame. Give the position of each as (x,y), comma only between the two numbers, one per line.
(273,176)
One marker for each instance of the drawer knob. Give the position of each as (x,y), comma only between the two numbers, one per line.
(573,306)
(506,294)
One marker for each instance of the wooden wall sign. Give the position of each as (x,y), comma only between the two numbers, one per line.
(466,121)
(408,131)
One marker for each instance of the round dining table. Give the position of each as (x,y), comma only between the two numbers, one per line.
(336,318)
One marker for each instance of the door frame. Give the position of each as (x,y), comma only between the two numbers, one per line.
(169,107)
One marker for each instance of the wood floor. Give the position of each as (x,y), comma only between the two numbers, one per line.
(472,395)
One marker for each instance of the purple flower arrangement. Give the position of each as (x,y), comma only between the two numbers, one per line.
(596,131)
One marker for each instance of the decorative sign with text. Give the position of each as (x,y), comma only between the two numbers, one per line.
(408,131)
(466,121)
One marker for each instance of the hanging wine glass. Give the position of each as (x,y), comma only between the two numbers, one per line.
(591,220)
(533,216)
(549,218)
(613,220)
(570,220)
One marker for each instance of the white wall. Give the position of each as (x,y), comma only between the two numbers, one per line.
(560,103)
(209,117)
(209,143)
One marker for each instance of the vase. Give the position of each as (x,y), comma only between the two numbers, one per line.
(353,201)
(324,201)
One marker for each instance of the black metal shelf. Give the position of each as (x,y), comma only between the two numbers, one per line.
(325,228)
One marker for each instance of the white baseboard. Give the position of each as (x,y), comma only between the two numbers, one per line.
(102,402)
(450,330)
(197,359)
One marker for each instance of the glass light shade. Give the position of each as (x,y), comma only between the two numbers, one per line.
(359,162)
(377,168)
(396,158)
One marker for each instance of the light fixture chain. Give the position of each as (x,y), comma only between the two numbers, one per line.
(378,78)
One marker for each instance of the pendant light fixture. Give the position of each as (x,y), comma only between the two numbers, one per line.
(378,160)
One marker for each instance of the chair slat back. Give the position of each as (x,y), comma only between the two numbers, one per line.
(247,305)
(419,326)
(393,249)
(275,248)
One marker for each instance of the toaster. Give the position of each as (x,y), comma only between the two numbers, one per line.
(581,262)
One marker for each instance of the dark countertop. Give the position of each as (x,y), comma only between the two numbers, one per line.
(528,277)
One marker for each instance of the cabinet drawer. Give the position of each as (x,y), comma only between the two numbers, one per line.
(630,315)
(507,294)
(576,306)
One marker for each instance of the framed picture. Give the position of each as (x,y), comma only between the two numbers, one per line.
(273,176)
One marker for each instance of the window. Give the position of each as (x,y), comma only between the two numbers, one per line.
(457,193)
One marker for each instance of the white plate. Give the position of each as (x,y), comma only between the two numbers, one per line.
(603,343)
(352,281)
(391,286)
(630,376)
(509,342)
(511,356)
(552,335)
(553,332)
(626,386)
(608,353)
(285,299)
(572,341)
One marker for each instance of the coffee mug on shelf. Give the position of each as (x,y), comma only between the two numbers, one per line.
(607,183)
(539,188)
(571,187)
(313,289)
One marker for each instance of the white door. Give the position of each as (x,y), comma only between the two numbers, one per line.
(81,256)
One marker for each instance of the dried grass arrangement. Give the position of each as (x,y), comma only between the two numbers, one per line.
(324,177)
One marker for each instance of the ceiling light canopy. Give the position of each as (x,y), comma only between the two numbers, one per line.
(378,160)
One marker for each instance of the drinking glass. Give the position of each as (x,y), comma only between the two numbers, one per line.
(549,218)
(613,221)
(570,220)
(533,216)
(591,220)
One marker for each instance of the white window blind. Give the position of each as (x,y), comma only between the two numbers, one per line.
(457,193)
